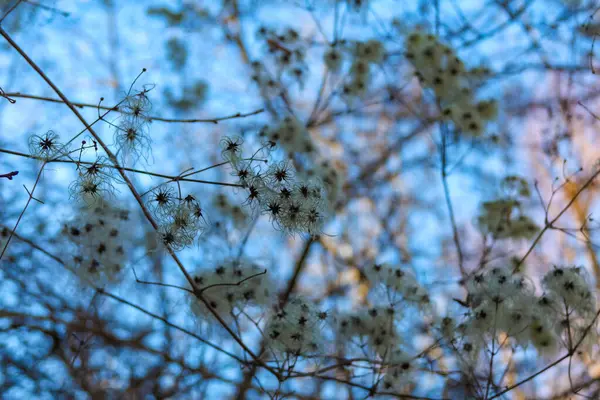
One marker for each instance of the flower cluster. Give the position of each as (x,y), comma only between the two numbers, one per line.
(231,286)
(291,135)
(94,180)
(131,129)
(399,372)
(267,83)
(96,241)
(363,56)
(397,283)
(333,58)
(294,205)
(570,287)
(503,217)
(289,53)
(568,293)
(438,67)
(330,174)
(503,302)
(375,328)
(180,220)
(296,329)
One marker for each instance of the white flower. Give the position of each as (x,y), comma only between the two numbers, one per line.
(503,217)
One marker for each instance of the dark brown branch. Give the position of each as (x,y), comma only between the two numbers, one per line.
(9,175)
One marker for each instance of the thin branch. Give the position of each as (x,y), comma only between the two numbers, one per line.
(137,171)
(167,322)
(3,94)
(444,172)
(9,175)
(150,118)
(14,229)
(48,8)
(233,284)
(159,283)
(10,10)
(550,224)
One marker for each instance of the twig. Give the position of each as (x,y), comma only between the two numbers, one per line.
(14,229)
(9,175)
(3,94)
(150,118)
(233,284)
(48,8)
(9,11)
(550,224)
(444,172)
(137,171)
(159,283)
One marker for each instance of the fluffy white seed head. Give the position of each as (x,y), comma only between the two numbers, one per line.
(569,285)
(439,68)
(296,329)
(231,286)
(399,373)
(46,146)
(97,243)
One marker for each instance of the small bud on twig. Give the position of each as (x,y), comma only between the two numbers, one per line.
(10,175)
